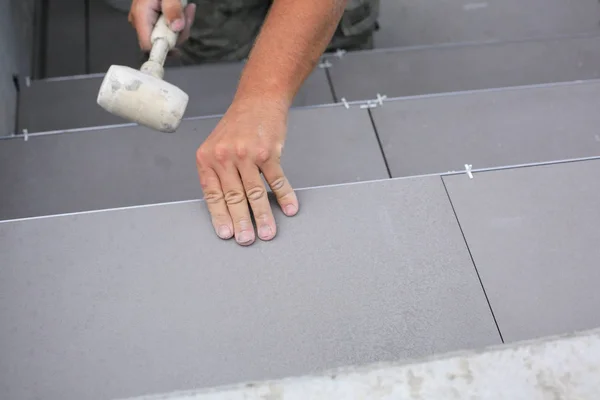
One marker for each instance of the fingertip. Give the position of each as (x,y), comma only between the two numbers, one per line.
(224,232)
(290,209)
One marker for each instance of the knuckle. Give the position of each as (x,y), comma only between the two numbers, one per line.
(241,151)
(221,153)
(201,155)
(213,196)
(263,154)
(256,193)
(278,183)
(233,197)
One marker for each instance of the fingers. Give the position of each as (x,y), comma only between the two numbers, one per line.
(143,16)
(286,197)
(235,198)
(145,13)
(215,201)
(258,199)
(189,14)
(174,14)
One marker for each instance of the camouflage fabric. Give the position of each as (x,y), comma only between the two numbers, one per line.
(225,30)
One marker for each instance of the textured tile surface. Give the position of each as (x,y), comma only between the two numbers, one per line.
(122,303)
(534,236)
(65,38)
(210,87)
(128,166)
(469,67)
(410,23)
(490,129)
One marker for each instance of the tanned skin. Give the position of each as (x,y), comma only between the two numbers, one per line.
(249,138)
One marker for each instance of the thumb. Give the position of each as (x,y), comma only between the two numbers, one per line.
(173,12)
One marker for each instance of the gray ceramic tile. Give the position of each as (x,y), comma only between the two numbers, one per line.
(534,236)
(410,23)
(70,104)
(456,68)
(65,38)
(147,300)
(128,166)
(490,128)
(112,38)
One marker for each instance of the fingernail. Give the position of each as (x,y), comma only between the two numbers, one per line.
(224,232)
(245,237)
(177,25)
(265,232)
(290,210)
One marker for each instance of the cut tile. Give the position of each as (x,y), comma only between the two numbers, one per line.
(65,38)
(345,282)
(437,134)
(410,72)
(127,166)
(423,22)
(210,87)
(533,233)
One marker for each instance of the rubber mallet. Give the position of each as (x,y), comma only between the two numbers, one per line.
(143,96)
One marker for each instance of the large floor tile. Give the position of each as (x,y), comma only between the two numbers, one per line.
(410,23)
(69,104)
(127,166)
(490,128)
(112,38)
(147,300)
(533,233)
(65,38)
(410,72)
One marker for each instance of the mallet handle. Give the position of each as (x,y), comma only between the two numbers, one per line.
(163,40)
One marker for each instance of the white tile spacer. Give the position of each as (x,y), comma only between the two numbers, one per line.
(369,104)
(339,53)
(325,64)
(381,98)
(345,102)
(26,134)
(469,169)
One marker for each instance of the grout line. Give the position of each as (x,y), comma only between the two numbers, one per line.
(451,45)
(387,165)
(17,104)
(87,37)
(472,259)
(305,188)
(331,87)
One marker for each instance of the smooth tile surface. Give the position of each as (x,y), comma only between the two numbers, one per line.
(210,87)
(456,68)
(65,38)
(129,166)
(122,303)
(112,39)
(410,23)
(533,233)
(490,128)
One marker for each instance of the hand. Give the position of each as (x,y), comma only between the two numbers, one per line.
(247,141)
(144,14)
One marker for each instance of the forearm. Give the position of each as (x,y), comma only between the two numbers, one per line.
(291,41)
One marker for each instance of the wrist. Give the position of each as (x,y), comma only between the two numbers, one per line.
(261,97)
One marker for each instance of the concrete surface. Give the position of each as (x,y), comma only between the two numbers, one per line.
(563,367)
(119,303)
(533,234)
